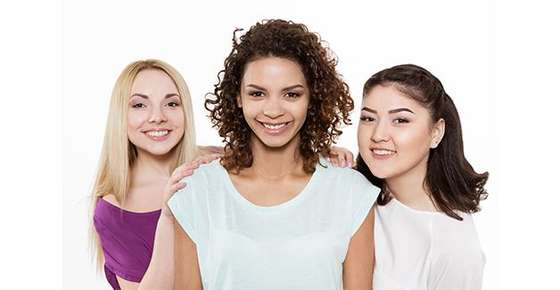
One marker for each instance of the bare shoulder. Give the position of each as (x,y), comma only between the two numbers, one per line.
(112,199)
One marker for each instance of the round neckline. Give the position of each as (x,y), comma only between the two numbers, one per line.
(418,211)
(298,198)
(115,207)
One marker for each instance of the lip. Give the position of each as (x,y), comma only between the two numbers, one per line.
(382,156)
(158,138)
(275,132)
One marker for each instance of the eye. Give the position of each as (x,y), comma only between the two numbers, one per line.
(138,106)
(367,119)
(293,95)
(256,94)
(173,104)
(401,121)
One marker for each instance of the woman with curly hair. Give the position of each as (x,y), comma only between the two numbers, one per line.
(411,146)
(273,214)
(149,133)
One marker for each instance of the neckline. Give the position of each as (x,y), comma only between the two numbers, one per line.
(418,211)
(116,208)
(298,198)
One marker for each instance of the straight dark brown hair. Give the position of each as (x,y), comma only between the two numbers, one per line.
(451,180)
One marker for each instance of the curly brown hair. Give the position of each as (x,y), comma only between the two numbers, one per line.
(330,102)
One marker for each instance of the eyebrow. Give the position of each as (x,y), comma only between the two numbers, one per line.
(390,112)
(284,89)
(400,110)
(146,97)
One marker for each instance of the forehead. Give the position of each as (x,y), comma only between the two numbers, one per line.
(153,81)
(383,97)
(272,72)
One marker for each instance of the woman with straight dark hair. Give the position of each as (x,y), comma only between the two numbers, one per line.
(411,147)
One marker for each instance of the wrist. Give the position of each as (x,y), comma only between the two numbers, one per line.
(166,215)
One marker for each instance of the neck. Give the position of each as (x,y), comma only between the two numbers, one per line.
(409,188)
(149,167)
(276,163)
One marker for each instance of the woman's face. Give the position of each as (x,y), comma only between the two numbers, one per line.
(274,97)
(395,133)
(156,121)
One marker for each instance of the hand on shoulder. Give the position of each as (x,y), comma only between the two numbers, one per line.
(175,183)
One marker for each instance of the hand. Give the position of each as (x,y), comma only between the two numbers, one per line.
(213,149)
(208,157)
(175,184)
(341,157)
(207,154)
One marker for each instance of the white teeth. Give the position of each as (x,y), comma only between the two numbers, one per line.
(274,126)
(382,152)
(158,133)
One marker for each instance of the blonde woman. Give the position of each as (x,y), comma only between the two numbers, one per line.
(150,132)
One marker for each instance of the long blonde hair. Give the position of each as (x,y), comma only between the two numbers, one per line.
(119,154)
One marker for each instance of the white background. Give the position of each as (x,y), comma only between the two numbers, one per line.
(496,60)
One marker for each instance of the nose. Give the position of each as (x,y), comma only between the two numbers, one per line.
(272,108)
(380,133)
(157,115)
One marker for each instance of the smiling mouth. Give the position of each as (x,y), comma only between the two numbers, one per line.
(157,133)
(276,126)
(383,152)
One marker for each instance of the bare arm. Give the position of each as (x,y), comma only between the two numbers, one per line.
(187,272)
(360,259)
(127,285)
(161,271)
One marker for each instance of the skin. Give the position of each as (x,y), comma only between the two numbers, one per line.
(394,124)
(273,91)
(154,104)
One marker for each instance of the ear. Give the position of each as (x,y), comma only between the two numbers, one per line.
(438,131)
(238,99)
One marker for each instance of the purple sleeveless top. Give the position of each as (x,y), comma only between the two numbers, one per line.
(127,239)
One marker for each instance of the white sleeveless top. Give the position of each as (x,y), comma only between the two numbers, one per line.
(299,244)
(421,250)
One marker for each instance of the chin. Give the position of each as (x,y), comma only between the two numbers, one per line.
(381,173)
(274,143)
(157,150)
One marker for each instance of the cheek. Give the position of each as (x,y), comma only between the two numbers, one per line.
(412,142)
(364,134)
(298,109)
(302,112)
(249,109)
(135,120)
(177,118)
